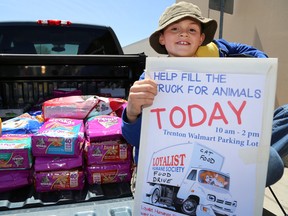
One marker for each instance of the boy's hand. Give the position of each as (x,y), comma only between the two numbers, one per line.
(141,95)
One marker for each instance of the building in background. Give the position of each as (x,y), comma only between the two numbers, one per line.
(260,23)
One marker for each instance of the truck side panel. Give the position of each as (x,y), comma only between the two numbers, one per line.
(170,165)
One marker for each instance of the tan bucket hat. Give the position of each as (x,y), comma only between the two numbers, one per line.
(176,12)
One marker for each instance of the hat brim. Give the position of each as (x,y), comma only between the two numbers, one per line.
(209,27)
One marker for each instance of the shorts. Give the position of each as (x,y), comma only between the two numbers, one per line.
(133,180)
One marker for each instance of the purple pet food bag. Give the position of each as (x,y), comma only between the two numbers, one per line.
(59,137)
(103,127)
(109,173)
(57,163)
(14,179)
(59,180)
(111,151)
(15,151)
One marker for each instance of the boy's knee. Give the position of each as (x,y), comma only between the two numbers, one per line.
(275,168)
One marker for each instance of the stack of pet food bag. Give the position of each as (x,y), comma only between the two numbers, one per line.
(78,138)
(57,148)
(58,144)
(108,156)
(16,158)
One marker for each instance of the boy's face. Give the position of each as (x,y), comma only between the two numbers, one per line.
(182,38)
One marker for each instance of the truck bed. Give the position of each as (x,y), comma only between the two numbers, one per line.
(26,81)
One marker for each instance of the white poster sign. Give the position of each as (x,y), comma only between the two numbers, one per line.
(205,141)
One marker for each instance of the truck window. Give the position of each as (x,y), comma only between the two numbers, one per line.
(73,39)
(192,175)
(214,178)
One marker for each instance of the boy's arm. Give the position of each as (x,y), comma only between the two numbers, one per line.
(131,131)
(231,49)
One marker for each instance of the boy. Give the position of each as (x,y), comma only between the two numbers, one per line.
(183,32)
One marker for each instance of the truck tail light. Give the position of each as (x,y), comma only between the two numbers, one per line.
(54,22)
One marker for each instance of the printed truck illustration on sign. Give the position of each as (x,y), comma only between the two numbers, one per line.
(187,178)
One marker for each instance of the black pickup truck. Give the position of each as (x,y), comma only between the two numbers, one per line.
(39,57)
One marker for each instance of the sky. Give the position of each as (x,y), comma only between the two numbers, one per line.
(132,20)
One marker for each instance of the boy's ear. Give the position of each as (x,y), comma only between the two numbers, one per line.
(202,38)
(161,39)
